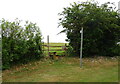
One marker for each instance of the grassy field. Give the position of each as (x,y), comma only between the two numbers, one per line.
(66,69)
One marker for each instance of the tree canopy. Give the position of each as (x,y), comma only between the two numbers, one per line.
(101,24)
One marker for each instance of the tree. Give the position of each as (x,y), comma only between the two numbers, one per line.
(101,28)
(20,44)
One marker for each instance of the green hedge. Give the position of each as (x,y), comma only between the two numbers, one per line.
(20,44)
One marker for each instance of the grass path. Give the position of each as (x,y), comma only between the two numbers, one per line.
(65,70)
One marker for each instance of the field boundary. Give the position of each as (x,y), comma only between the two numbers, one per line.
(47,48)
(55,48)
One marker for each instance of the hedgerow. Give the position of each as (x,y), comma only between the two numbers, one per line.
(20,43)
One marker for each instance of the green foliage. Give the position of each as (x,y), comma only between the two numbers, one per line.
(69,52)
(101,26)
(20,44)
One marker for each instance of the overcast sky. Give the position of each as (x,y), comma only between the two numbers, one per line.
(42,12)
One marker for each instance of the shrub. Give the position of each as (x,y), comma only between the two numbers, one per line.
(20,44)
(69,51)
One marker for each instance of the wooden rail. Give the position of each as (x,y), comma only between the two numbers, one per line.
(63,48)
(54,50)
(54,46)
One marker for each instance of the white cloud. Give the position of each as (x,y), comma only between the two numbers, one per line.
(42,12)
